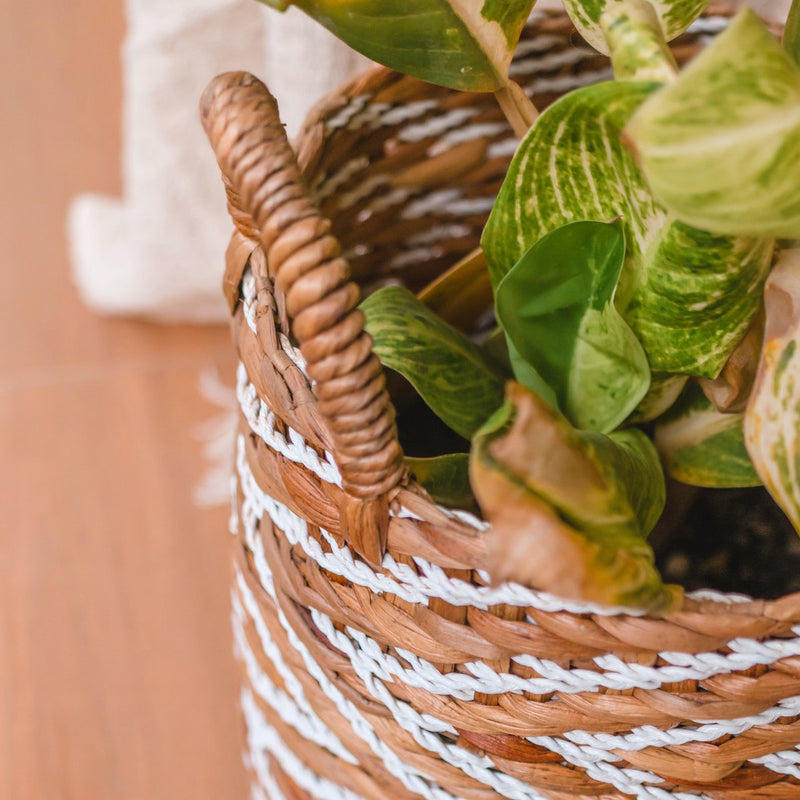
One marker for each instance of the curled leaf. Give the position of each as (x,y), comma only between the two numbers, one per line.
(721,145)
(569,510)
(730,390)
(702,446)
(556,306)
(636,42)
(772,418)
(674,16)
(456,43)
(450,372)
(688,295)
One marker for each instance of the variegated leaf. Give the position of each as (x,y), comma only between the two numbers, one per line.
(463,44)
(772,418)
(721,145)
(569,510)
(702,446)
(450,372)
(688,295)
(675,16)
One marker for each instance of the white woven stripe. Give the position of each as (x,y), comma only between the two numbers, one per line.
(597,763)
(424,727)
(297,714)
(650,736)
(410,777)
(266,788)
(369,658)
(261,420)
(262,738)
(786,762)
(483,679)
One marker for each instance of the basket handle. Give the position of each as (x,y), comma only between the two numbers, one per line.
(268,201)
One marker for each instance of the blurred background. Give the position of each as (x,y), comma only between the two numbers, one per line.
(116,673)
(117,678)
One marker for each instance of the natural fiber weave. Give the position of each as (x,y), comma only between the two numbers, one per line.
(380,662)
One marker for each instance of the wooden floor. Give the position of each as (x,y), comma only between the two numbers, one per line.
(116,675)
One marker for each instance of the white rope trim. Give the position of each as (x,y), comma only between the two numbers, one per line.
(786,762)
(300,716)
(423,674)
(263,738)
(258,762)
(650,736)
(262,419)
(411,778)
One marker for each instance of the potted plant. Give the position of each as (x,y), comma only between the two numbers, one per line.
(639,274)
(640,224)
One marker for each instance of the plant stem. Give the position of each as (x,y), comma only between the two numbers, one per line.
(520,112)
(791,32)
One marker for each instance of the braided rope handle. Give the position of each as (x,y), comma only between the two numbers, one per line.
(268,202)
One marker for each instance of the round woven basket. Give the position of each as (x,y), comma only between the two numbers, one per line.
(380,662)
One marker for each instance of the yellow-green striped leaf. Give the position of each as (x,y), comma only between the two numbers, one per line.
(688,295)
(569,510)
(674,16)
(450,372)
(721,145)
(772,418)
(702,446)
(463,44)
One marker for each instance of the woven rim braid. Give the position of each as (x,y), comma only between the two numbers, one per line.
(379,661)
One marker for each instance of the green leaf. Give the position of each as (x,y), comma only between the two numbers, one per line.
(569,510)
(556,306)
(772,418)
(702,446)
(675,16)
(445,478)
(721,145)
(450,372)
(462,44)
(688,295)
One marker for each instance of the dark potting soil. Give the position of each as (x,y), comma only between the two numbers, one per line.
(733,540)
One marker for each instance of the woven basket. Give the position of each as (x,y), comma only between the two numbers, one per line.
(380,663)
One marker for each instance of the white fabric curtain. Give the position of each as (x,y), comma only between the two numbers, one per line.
(158,250)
